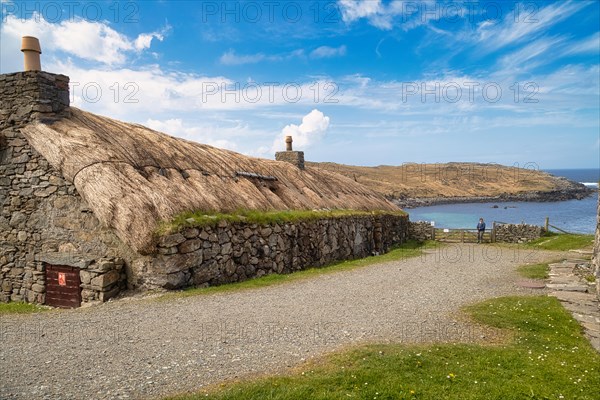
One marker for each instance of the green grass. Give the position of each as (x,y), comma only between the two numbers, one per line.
(409,249)
(17,307)
(546,358)
(562,242)
(534,271)
(211,218)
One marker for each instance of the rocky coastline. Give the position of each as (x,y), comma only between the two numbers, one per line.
(575,191)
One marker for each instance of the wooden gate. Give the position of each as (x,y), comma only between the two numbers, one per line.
(461,235)
(63,286)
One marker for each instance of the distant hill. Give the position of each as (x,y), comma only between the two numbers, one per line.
(419,184)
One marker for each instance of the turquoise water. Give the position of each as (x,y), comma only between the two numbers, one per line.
(577,216)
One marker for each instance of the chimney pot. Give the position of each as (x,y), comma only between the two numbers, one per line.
(30,46)
(288,143)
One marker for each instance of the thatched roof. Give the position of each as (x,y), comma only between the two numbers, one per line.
(133,177)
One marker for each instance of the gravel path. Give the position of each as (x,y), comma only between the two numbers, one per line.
(148,349)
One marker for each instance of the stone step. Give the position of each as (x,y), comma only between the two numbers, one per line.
(588,319)
(583,308)
(565,279)
(575,297)
(560,271)
(567,287)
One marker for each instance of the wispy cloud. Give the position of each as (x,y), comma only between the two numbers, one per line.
(532,55)
(590,45)
(328,52)
(230,57)
(494,35)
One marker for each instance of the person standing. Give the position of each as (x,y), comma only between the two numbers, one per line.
(480,230)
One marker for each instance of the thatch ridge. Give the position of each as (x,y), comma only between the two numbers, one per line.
(132,176)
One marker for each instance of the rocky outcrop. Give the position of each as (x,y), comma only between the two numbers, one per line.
(572,190)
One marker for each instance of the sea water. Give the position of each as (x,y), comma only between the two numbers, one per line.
(576,216)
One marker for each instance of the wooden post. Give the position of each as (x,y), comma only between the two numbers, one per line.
(462,236)
(546,224)
(493,234)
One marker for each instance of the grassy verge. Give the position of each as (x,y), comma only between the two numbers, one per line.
(406,250)
(563,242)
(547,358)
(534,271)
(211,218)
(21,308)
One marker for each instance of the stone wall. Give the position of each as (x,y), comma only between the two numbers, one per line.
(517,233)
(232,252)
(42,217)
(420,231)
(504,233)
(293,157)
(596,256)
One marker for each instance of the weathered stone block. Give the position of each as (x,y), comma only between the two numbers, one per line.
(171,240)
(38,288)
(105,280)
(190,233)
(104,296)
(86,277)
(226,249)
(190,246)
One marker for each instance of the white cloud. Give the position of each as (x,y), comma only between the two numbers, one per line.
(328,52)
(92,41)
(353,10)
(144,40)
(312,129)
(384,16)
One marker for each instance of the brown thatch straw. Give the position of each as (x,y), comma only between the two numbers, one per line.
(132,177)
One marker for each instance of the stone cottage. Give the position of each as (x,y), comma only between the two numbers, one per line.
(82,196)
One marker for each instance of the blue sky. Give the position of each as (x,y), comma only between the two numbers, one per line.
(364,82)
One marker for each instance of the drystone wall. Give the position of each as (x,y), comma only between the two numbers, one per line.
(517,233)
(504,233)
(42,217)
(420,231)
(232,252)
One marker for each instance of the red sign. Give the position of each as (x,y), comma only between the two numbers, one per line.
(62,279)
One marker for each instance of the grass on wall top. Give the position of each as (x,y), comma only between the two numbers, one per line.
(211,218)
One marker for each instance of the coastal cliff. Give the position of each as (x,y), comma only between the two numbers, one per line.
(414,185)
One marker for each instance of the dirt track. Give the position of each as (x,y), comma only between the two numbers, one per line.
(148,348)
